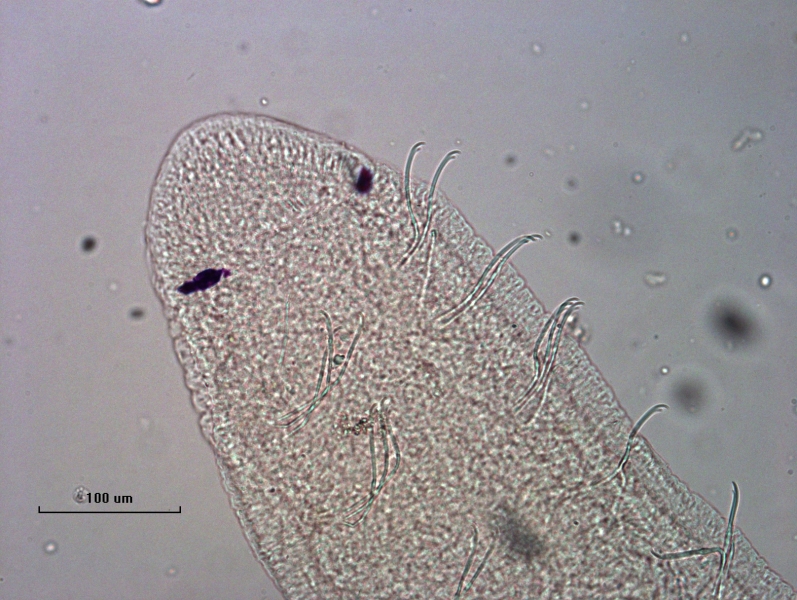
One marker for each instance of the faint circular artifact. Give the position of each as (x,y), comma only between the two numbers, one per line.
(81,494)
(690,395)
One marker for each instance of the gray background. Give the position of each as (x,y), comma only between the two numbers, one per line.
(554,107)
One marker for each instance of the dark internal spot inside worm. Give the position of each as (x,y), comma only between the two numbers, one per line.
(203,280)
(517,537)
(365,180)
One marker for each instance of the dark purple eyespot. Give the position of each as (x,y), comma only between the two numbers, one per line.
(203,280)
(365,181)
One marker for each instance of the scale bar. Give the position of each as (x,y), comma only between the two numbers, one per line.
(111,512)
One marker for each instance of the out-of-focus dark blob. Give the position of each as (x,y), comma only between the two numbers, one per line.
(690,396)
(735,325)
(203,280)
(365,181)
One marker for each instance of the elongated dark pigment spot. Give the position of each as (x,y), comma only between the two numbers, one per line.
(365,180)
(202,281)
(478,425)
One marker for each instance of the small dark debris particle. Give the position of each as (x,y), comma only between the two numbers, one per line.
(88,244)
(510,160)
(272,490)
(365,180)
(203,280)
(338,359)
(574,237)
(136,313)
(571,184)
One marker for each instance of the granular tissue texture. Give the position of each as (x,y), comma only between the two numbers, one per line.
(393,413)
